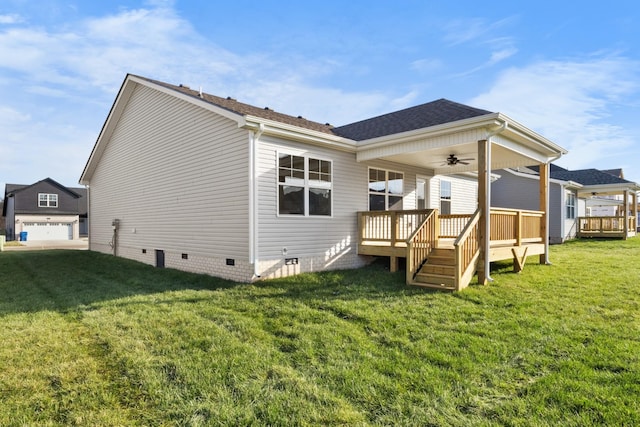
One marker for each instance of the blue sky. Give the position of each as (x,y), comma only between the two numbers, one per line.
(570,72)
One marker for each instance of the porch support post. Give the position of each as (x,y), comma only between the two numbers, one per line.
(544,207)
(626,214)
(484,205)
(634,199)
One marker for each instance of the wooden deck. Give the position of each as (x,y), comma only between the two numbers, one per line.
(416,234)
(608,227)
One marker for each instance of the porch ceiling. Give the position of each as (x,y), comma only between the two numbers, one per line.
(429,148)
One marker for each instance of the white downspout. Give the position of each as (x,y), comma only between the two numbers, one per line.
(253,200)
(487,206)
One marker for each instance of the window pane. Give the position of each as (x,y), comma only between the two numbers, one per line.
(377,181)
(395,203)
(445,189)
(284,161)
(445,207)
(376,202)
(291,200)
(319,201)
(395,183)
(298,162)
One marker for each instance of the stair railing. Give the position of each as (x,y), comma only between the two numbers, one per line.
(467,250)
(420,244)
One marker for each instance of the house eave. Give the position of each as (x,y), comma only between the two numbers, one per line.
(295,133)
(514,136)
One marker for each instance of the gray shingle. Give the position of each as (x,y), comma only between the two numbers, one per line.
(421,116)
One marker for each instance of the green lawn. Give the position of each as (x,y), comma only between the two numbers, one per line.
(88,339)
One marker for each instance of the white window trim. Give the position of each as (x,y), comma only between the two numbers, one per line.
(305,185)
(570,196)
(386,186)
(50,197)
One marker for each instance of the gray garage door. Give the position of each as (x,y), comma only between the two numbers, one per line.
(48,230)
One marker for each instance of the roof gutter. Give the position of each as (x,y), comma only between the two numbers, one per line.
(296,133)
(487,201)
(254,248)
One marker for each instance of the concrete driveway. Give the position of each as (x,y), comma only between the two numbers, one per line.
(37,245)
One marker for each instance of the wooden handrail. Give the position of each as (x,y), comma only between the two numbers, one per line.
(467,250)
(420,244)
(390,227)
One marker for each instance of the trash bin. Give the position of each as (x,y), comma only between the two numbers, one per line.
(23,236)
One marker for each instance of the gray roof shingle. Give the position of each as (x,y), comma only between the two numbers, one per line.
(421,116)
(588,177)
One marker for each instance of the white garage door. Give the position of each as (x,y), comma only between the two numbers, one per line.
(48,230)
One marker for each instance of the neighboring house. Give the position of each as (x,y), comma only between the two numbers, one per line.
(517,189)
(188,180)
(45,210)
(574,196)
(606,205)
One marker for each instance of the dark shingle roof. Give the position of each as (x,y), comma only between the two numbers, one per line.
(588,177)
(553,168)
(615,172)
(418,117)
(243,109)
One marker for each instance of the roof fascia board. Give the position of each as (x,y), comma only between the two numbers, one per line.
(569,184)
(488,120)
(612,188)
(529,135)
(107,128)
(295,133)
(236,117)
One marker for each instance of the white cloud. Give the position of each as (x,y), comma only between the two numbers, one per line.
(10,19)
(568,102)
(468,30)
(427,65)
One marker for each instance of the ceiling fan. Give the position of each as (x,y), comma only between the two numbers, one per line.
(453,160)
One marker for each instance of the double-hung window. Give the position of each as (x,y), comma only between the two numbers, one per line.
(47,200)
(571,205)
(386,189)
(445,197)
(304,185)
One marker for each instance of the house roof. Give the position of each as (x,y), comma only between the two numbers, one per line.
(243,109)
(398,129)
(588,177)
(16,188)
(615,172)
(421,116)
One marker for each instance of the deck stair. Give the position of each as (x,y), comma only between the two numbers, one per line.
(439,270)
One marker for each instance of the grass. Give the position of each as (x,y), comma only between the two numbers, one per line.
(88,339)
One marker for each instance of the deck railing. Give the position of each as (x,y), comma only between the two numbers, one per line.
(515,227)
(604,226)
(508,226)
(420,244)
(467,249)
(390,227)
(452,225)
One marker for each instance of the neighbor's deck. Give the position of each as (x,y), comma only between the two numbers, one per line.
(612,227)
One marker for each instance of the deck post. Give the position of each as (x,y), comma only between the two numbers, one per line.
(544,207)
(393,261)
(634,198)
(625,225)
(484,205)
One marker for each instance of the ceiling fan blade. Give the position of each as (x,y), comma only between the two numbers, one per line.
(463,163)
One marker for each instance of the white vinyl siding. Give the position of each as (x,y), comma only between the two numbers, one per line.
(326,237)
(176,176)
(463,196)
